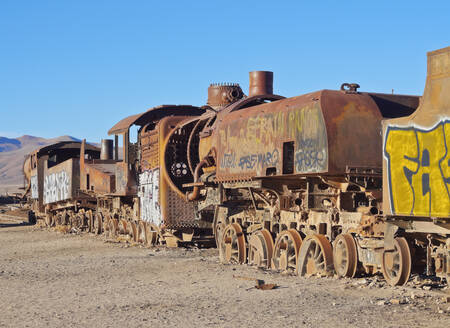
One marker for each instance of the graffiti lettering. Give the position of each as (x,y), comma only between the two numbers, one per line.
(56,187)
(248,140)
(268,159)
(228,160)
(149,196)
(418,163)
(34,187)
(309,157)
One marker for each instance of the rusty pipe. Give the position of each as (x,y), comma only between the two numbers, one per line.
(261,83)
(191,196)
(107,149)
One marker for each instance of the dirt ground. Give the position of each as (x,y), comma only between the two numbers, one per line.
(50,279)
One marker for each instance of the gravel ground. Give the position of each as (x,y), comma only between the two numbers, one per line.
(50,279)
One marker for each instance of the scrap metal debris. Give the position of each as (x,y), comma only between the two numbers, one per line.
(260,284)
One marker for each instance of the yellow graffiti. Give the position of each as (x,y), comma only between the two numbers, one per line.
(418,170)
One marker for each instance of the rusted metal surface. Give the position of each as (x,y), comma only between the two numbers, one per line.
(175,210)
(396,265)
(321,132)
(196,191)
(154,114)
(99,177)
(345,256)
(149,145)
(315,256)
(393,105)
(220,95)
(261,83)
(107,149)
(207,140)
(193,150)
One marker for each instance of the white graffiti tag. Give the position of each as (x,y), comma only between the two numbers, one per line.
(149,196)
(34,187)
(56,187)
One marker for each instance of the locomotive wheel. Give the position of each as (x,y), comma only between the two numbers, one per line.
(316,256)
(76,220)
(123,227)
(142,236)
(260,249)
(286,249)
(73,220)
(81,216)
(233,248)
(132,231)
(98,224)
(106,219)
(345,255)
(113,230)
(49,219)
(58,219)
(84,220)
(65,218)
(90,221)
(219,227)
(152,234)
(396,265)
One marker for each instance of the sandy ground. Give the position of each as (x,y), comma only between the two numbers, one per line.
(10,189)
(50,279)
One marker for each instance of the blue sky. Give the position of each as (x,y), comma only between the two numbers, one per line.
(77,67)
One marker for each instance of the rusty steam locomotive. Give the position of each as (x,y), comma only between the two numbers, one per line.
(330,181)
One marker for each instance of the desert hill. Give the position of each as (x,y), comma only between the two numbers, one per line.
(12,154)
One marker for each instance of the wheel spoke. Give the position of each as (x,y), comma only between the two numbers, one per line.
(316,250)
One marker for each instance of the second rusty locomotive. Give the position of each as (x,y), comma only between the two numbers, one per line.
(287,177)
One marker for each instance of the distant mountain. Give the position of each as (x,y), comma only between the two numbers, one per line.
(12,155)
(7,144)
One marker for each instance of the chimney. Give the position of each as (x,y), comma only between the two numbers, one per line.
(261,83)
(107,149)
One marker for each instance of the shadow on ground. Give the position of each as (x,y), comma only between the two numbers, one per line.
(14,224)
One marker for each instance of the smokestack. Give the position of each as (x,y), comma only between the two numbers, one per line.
(261,83)
(107,149)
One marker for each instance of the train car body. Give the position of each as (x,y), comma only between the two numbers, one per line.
(416,171)
(53,173)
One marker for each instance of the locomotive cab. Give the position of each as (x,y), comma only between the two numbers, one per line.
(147,177)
